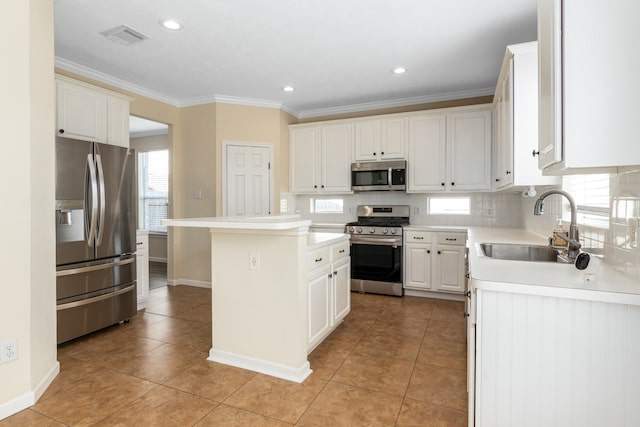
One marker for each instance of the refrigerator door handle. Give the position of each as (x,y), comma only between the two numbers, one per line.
(102,200)
(95,299)
(89,268)
(91,216)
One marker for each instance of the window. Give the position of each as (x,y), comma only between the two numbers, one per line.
(449,205)
(326,205)
(591,194)
(153,189)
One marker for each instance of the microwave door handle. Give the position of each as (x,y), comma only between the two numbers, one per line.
(389,177)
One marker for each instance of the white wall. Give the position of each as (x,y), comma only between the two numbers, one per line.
(27,292)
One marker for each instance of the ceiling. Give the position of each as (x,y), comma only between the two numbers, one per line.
(337,54)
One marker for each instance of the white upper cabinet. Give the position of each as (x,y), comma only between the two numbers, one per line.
(450,150)
(380,139)
(427,153)
(516,120)
(589,68)
(320,158)
(469,149)
(91,113)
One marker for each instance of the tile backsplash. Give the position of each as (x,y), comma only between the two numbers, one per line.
(618,244)
(487,209)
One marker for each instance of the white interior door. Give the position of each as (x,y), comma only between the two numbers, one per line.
(248,180)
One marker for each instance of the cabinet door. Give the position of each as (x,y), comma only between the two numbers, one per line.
(427,157)
(367,140)
(336,158)
(303,161)
(469,150)
(450,268)
(81,113)
(319,307)
(417,266)
(392,139)
(117,121)
(142,269)
(504,131)
(341,282)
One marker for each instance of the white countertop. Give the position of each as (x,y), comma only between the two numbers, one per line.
(543,278)
(272,222)
(441,228)
(316,240)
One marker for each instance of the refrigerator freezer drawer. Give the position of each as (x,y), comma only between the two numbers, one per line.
(82,317)
(76,281)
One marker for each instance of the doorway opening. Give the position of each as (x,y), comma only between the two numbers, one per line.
(150,139)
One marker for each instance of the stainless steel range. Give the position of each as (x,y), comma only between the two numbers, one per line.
(376,249)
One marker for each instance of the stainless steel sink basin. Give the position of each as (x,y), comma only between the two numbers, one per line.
(518,252)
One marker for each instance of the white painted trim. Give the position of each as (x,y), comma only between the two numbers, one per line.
(28,399)
(318,112)
(367,106)
(142,304)
(154,132)
(432,294)
(225,146)
(189,282)
(157,259)
(278,370)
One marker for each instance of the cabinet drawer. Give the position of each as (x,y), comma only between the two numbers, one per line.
(318,258)
(340,250)
(418,237)
(452,239)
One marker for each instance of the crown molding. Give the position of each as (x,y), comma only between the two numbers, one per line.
(154,132)
(265,103)
(400,102)
(113,81)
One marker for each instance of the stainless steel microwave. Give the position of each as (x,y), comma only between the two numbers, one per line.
(379,176)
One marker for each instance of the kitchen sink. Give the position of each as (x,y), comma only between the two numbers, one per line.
(518,252)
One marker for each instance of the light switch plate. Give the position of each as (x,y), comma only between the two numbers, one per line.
(254,261)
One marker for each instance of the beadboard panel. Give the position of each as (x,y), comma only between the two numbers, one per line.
(544,361)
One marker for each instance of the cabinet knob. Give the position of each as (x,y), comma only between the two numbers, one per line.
(335,273)
(439,252)
(315,186)
(442,183)
(330,276)
(535,153)
(322,186)
(382,153)
(508,172)
(61,131)
(374,154)
(497,179)
(428,251)
(453,183)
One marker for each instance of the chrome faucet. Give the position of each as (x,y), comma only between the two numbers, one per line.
(573,239)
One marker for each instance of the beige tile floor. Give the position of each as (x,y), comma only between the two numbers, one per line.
(393,362)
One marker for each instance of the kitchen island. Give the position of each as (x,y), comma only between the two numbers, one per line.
(547,347)
(260,290)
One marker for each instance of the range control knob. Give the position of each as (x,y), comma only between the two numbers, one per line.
(394,231)
(372,230)
(359,229)
(352,229)
(385,231)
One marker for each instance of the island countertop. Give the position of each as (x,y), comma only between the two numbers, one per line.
(543,278)
(270,222)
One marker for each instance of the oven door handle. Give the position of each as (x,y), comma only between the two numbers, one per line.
(374,241)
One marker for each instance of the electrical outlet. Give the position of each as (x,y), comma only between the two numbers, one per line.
(8,351)
(254,261)
(489,211)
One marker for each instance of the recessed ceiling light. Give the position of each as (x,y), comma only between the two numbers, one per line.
(288,89)
(170,24)
(399,70)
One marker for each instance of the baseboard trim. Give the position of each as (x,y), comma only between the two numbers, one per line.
(189,282)
(26,400)
(431,294)
(266,367)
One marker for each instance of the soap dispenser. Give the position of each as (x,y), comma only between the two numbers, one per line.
(558,241)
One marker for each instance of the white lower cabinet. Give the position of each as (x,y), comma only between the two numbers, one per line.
(434,261)
(329,296)
(142,267)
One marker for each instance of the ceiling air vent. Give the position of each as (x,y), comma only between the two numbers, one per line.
(124,35)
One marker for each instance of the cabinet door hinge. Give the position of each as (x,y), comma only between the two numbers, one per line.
(269,166)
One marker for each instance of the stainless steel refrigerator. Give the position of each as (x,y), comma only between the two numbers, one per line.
(95,216)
